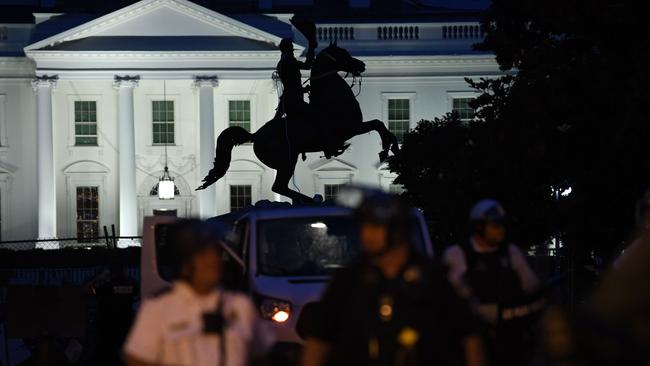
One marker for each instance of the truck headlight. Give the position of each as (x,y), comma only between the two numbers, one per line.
(276,310)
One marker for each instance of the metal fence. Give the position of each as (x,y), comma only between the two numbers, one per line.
(15,349)
(74,243)
(57,276)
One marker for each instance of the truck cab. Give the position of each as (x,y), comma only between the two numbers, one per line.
(281,256)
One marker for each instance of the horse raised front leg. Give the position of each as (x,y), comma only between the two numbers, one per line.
(388,139)
(281,185)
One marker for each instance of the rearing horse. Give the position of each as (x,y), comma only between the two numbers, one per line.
(334,116)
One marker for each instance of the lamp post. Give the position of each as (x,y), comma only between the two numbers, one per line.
(166,183)
(166,186)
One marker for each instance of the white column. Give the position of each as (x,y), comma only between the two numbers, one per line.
(208,196)
(43,86)
(126,157)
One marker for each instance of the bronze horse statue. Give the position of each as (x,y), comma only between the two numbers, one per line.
(333,117)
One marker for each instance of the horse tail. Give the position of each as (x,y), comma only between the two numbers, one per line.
(229,138)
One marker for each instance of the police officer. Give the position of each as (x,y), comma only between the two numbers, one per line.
(391,307)
(115,292)
(194,322)
(496,278)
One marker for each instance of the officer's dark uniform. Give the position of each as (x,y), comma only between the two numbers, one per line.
(491,277)
(414,319)
(493,281)
(114,316)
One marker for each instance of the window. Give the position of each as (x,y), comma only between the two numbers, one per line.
(239,114)
(399,117)
(4,33)
(163,121)
(462,107)
(331,191)
(87,212)
(85,123)
(240,197)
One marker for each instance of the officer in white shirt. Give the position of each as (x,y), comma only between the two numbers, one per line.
(194,322)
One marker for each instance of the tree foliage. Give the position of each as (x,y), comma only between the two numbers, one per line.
(571,111)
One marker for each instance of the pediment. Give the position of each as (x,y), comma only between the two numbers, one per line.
(333,164)
(85,167)
(160,18)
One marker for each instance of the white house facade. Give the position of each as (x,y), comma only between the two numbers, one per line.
(91,113)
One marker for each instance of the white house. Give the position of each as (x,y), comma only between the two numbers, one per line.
(91,110)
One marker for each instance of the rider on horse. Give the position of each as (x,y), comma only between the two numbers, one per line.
(334,116)
(292,103)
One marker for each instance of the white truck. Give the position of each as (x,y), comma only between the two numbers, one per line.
(282,257)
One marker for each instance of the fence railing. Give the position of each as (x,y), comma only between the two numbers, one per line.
(58,276)
(335,33)
(401,32)
(462,31)
(74,243)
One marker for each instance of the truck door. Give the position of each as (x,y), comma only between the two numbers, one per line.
(234,259)
(154,265)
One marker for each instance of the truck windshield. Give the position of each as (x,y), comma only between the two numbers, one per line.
(310,246)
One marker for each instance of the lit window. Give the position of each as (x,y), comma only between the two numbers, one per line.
(462,108)
(331,191)
(87,213)
(85,123)
(163,122)
(399,117)
(240,197)
(239,114)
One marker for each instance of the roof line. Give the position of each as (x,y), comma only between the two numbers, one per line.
(130,10)
(158,69)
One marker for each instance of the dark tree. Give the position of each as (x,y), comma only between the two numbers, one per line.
(446,165)
(571,112)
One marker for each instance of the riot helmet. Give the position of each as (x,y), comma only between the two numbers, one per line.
(486,211)
(388,211)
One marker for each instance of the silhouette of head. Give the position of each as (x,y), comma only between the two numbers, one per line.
(286,45)
(643,211)
(384,221)
(343,60)
(196,252)
(487,219)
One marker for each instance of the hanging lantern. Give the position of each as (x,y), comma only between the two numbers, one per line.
(166,186)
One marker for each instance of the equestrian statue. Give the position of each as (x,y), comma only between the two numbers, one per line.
(332,116)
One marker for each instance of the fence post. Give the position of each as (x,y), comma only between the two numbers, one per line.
(108,243)
(114,237)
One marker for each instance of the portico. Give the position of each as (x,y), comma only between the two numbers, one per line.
(192,61)
(154,84)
